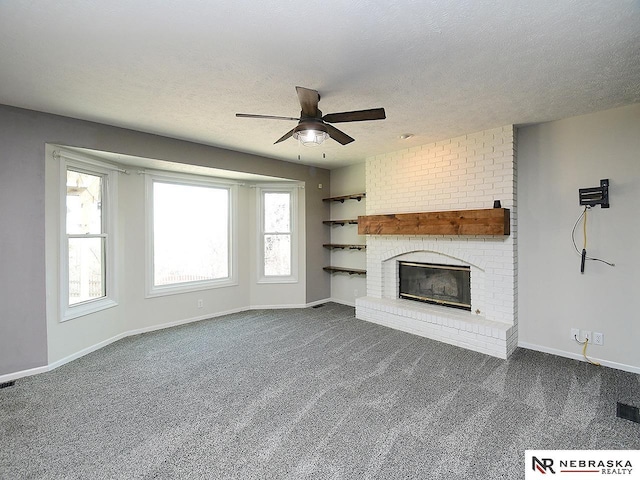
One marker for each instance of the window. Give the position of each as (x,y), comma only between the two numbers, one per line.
(278,245)
(87,250)
(190,234)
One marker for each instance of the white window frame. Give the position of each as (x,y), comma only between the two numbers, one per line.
(293,190)
(109,210)
(198,181)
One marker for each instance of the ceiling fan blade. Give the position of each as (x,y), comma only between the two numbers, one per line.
(308,101)
(270,117)
(338,135)
(355,116)
(285,136)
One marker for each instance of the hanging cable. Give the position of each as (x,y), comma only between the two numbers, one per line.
(584,230)
(573,231)
(583,253)
(584,350)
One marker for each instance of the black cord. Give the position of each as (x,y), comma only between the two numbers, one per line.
(583,253)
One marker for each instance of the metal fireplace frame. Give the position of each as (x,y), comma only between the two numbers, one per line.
(429,300)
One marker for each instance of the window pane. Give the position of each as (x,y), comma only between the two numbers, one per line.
(276,212)
(190,233)
(277,255)
(86,272)
(84,203)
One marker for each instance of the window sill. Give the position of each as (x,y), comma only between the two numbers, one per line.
(87,308)
(270,280)
(177,289)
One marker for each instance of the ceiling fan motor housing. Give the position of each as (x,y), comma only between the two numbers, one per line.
(304,116)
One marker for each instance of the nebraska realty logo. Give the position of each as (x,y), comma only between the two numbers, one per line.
(582,463)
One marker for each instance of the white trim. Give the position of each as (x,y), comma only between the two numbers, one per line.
(7,377)
(293,191)
(104,343)
(342,302)
(578,356)
(109,233)
(62,154)
(277,307)
(317,302)
(85,351)
(184,321)
(120,336)
(152,290)
(186,287)
(191,178)
(86,308)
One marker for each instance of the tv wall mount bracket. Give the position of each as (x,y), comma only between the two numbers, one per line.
(595,195)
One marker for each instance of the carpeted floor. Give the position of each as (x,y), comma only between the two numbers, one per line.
(304,394)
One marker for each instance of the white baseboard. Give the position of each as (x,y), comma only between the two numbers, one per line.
(274,307)
(137,331)
(7,377)
(318,302)
(176,323)
(282,307)
(342,302)
(58,363)
(578,356)
(85,351)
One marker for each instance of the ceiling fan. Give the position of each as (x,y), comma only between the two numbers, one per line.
(313,128)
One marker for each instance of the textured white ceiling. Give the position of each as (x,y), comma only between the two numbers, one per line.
(440,68)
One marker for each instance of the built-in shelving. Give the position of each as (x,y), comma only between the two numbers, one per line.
(351,221)
(344,246)
(350,271)
(341,199)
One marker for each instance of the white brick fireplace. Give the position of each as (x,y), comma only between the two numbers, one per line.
(467,172)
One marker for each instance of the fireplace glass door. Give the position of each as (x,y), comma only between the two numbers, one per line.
(448,285)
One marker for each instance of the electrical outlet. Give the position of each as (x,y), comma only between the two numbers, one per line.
(586,335)
(200,303)
(598,338)
(575,334)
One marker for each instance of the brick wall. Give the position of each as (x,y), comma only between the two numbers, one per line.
(466,172)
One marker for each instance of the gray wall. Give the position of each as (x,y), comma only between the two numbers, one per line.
(346,181)
(23,135)
(555,159)
(23,342)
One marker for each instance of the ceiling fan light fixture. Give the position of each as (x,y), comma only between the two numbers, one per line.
(314,128)
(310,135)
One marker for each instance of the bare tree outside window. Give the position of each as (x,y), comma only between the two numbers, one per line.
(277,233)
(85,236)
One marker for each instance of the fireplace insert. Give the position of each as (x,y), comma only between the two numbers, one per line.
(448,285)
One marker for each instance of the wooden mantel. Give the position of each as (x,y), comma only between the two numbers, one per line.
(490,221)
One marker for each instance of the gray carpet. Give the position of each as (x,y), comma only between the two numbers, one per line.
(304,394)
